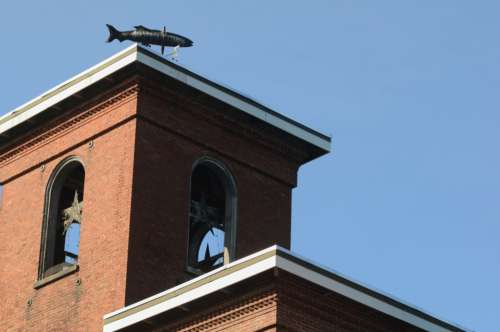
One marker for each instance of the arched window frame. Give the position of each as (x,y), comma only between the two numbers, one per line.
(231,205)
(49,221)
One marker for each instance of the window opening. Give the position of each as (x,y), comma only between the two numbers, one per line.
(63,217)
(72,217)
(211,217)
(213,242)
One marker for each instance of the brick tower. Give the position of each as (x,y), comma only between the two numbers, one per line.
(143,193)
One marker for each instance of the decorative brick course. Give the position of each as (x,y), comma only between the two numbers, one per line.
(282,303)
(249,314)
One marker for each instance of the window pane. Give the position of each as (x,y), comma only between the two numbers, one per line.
(71,243)
(213,244)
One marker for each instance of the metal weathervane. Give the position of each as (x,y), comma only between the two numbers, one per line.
(148,37)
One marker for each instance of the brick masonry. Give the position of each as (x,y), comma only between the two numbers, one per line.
(169,141)
(146,135)
(78,301)
(282,303)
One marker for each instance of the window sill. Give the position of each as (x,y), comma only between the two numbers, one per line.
(197,272)
(56,276)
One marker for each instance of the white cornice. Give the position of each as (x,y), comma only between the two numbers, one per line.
(136,53)
(270,258)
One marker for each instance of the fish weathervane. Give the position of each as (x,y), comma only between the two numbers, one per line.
(148,37)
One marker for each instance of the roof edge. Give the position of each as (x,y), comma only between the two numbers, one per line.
(274,257)
(28,106)
(137,53)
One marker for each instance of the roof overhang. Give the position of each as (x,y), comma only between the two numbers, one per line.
(137,53)
(272,258)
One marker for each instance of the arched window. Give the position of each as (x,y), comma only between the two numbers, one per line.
(62,218)
(212,217)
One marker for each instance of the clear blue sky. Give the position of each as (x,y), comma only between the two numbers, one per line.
(409,200)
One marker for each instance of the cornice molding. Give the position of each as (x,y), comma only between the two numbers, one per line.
(65,123)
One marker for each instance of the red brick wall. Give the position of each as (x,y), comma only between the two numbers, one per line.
(282,303)
(303,306)
(171,136)
(134,232)
(256,313)
(68,305)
